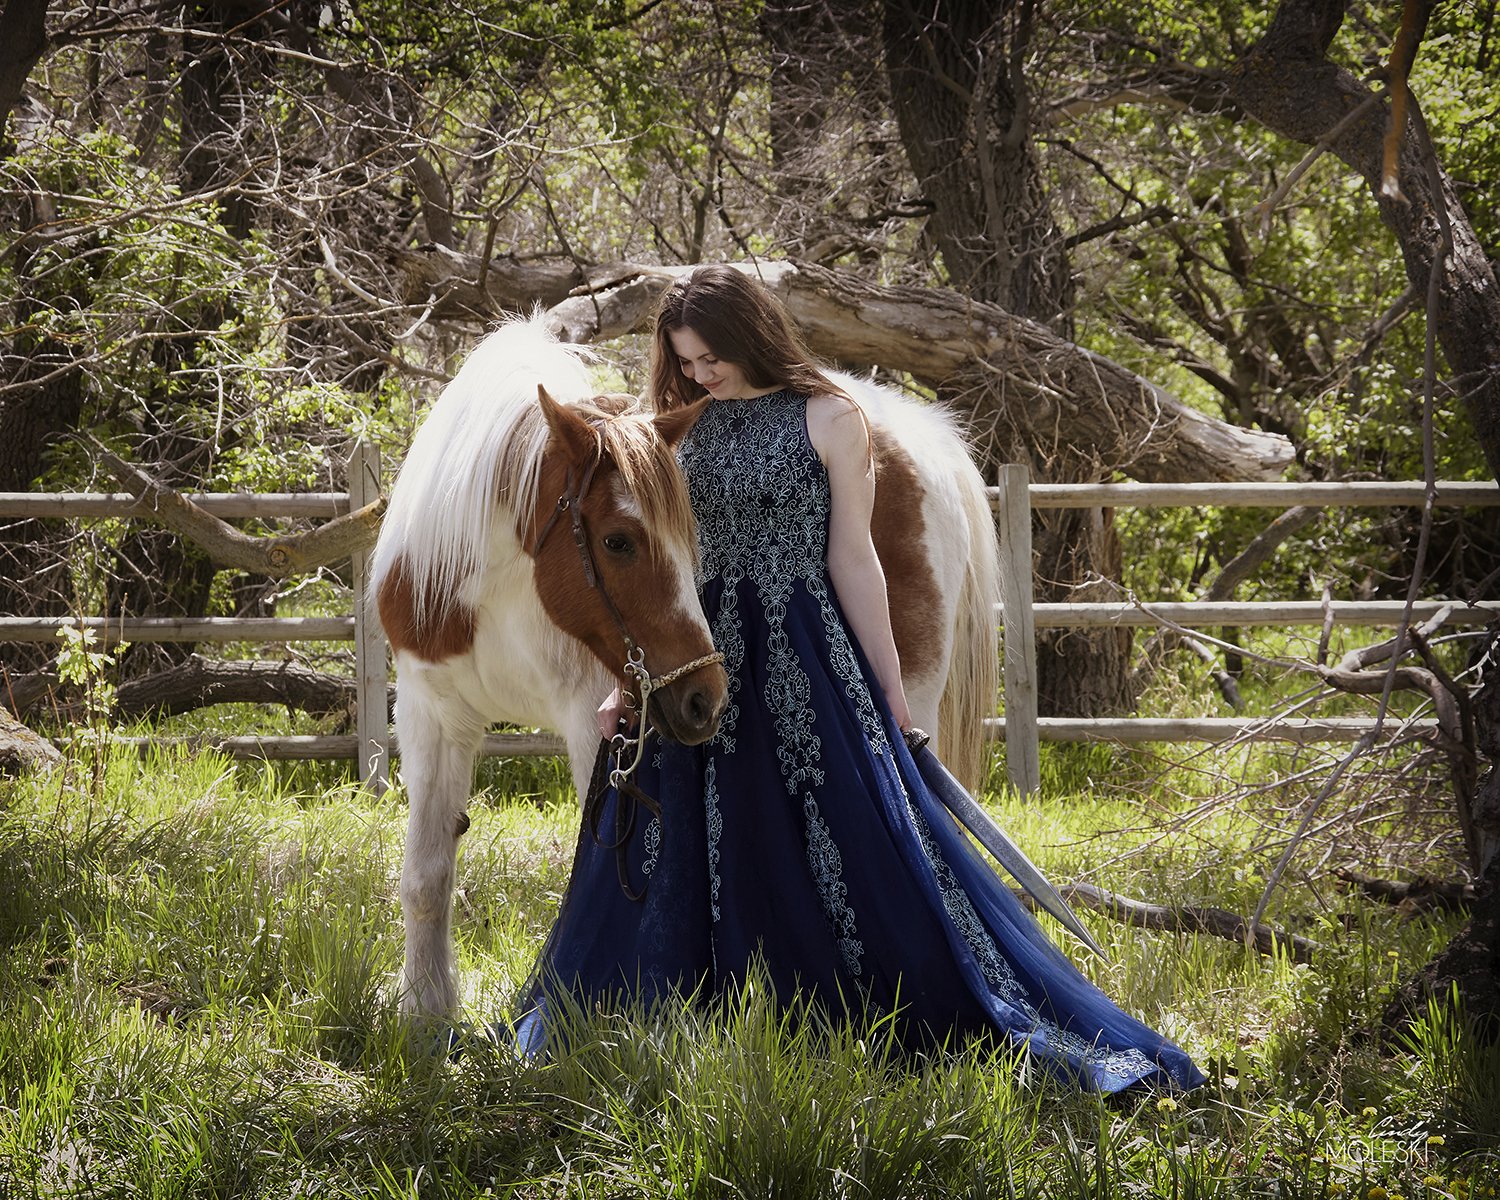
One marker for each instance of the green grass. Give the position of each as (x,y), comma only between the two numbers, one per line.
(195,970)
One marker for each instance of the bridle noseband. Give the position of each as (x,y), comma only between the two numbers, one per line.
(620,776)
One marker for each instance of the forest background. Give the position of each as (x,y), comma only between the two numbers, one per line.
(235,238)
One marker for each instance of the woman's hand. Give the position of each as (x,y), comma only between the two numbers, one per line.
(899,710)
(608,714)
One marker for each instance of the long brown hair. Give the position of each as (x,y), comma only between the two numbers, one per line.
(742,323)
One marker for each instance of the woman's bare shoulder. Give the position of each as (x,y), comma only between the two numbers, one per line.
(836,426)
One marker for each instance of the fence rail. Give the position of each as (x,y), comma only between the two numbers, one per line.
(1300,730)
(1197,614)
(1354,494)
(227,505)
(110,630)
(1118,614)
(1019,615)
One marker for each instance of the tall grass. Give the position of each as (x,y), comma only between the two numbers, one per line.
(195,970)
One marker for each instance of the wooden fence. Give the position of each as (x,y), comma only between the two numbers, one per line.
(1020,728)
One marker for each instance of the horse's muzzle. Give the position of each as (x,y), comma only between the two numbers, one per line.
(688,710)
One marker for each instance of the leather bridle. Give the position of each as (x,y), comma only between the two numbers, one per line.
(620,776)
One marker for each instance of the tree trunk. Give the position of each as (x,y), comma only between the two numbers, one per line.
(43,399)
(961,100)
(1080,672)
(219,86)
(1287,84)
(962,106)
(797,35)
(23,41)
(833,196)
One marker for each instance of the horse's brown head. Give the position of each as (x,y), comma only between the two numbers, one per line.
(615,547)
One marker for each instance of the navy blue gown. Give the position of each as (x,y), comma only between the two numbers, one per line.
(801,834)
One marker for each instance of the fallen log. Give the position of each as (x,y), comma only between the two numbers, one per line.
(1415,895)
(1184,918)
(198,682)
(1018,374)
(23,750)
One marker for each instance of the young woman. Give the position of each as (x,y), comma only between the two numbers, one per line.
(801,835)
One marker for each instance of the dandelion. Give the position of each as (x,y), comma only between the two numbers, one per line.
(1166,1104)
(1370,1113)
(1377,1193)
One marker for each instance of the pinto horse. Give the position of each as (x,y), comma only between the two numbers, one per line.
(532,547)
(530,542)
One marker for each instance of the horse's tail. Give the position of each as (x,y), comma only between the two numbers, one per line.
(973,668)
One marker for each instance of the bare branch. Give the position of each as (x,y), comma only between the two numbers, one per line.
(277,556)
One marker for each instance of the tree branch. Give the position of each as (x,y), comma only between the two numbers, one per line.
(1022,375)
(197,683)
(277,556)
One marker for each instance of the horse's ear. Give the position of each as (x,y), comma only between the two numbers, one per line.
(674,424)
(578,437)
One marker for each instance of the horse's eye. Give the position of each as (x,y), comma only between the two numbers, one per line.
(618,543)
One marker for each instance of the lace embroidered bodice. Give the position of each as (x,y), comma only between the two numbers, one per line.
(758,489)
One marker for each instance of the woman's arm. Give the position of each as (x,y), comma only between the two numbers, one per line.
(840,437)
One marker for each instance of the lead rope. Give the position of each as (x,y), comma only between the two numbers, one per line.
(630,799)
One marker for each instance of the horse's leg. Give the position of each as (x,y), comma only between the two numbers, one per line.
(581,688)
(439,736)
(581,732)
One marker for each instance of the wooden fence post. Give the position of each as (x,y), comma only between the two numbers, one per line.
(373,728)
(1023,765)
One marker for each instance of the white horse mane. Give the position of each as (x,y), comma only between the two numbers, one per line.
(476,457)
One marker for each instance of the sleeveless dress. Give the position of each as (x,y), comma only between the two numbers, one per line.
(801,835)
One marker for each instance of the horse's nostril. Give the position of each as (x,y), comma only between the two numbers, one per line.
(700,711)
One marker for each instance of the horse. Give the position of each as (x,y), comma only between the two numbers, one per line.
(491,616)
(538,545)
